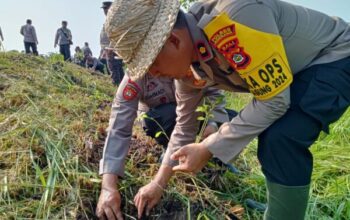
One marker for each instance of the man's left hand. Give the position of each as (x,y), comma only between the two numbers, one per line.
(192,158)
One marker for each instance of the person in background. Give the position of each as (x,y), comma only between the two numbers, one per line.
(86,49)
(93,64)
(78,57)
(1,36)
(1,40)
(30,38)
(103,59)
(64,40)
(114,64)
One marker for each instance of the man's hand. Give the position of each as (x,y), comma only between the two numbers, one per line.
(55,45)
(192,158)
(108,206)
(147,197)
(210,129)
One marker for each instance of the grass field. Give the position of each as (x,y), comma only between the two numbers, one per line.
(52,128)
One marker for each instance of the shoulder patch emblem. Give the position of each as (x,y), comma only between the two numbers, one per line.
(222,34)
(130,91)
(225,40)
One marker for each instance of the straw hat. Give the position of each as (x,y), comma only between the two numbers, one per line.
(138,30)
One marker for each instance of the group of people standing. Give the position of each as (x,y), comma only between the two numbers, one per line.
(107,62)
(63,39)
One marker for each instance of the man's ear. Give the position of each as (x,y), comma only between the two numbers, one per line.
(174,39)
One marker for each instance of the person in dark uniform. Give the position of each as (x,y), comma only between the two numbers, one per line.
(114,64)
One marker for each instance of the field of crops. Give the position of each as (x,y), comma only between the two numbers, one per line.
(53,117)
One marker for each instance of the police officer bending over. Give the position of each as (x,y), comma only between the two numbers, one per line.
(156,96)
(294,61)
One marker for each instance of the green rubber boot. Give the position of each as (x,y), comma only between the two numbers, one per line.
(286,202)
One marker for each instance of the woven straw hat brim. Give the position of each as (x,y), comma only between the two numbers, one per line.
(153,41)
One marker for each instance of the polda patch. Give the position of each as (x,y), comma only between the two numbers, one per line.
(237,58)
(223,37)
(130,91)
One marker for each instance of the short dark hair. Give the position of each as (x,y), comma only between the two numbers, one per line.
(180,20)
(86,43)
(64,22)
(29,21)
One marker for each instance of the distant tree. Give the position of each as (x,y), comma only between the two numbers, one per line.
(187,3)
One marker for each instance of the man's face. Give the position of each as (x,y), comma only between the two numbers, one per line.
(64,25)
(176,56)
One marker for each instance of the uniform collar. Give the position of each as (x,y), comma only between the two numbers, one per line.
(202,48)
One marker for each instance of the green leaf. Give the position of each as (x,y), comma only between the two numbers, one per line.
(200,109)
(201,118)
(158,134)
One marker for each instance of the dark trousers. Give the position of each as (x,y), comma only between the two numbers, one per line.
(104,61)
(115,67)
(319,96)
(165,115)
(65,51)
(31,48)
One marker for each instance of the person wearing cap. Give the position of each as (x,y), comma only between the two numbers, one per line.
(114,63)
(156,97)
(64,40)
(294,61)
(30,38)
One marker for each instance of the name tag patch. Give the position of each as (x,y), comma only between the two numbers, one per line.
(269,78)
(258,57)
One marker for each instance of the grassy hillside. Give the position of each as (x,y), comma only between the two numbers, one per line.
(53,117)
(52,121)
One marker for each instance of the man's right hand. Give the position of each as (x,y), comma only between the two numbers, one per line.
(108,206)
(147,197)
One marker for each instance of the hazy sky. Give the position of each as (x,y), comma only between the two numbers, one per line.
(85,19)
